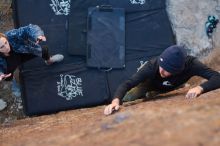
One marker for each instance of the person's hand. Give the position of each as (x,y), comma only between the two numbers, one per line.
(4,76)
(194,92)
(114,106)
(41,38)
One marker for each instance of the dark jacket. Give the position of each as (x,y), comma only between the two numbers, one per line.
(150,72)
(22,40)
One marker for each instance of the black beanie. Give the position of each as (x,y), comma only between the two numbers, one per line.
(173,59)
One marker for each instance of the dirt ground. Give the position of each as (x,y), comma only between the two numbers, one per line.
(14,109)
(168,120)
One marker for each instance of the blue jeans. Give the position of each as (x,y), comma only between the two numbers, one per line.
(15,88)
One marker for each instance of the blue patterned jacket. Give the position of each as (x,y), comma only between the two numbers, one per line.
(22,40)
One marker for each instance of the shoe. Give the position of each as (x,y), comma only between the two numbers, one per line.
(55,58)
(151,94)
(3,104)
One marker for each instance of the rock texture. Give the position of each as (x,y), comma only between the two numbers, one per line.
(169,120)
(188,19)
(6,21)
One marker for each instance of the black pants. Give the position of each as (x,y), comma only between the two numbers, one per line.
(143,90)
(16,59)
(45,53)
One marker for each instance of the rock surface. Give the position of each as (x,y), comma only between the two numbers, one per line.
(188,18)
(169,120)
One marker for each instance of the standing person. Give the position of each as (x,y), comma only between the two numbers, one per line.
(20,45)
(165,73)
